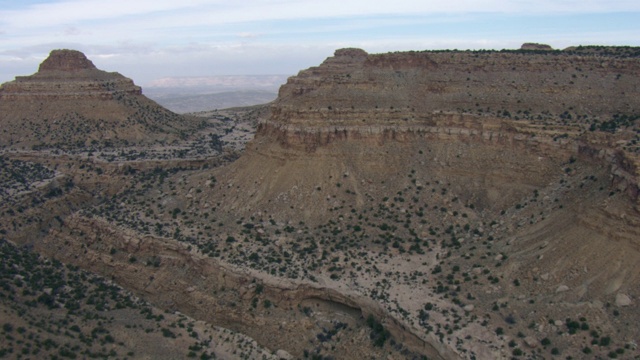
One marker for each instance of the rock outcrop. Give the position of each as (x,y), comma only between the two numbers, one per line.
(489,131)
(67,60)
(68,74)
(353,88)
(202,287)
(71,104)
(500,120)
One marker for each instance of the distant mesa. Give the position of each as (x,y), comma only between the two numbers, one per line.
(209,84)
(69,103)
(351,52)
(68,73)
(535,46)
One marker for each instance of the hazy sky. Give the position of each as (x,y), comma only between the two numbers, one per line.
(151,39)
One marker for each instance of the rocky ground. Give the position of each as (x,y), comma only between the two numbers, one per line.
(434,262)
(459,234)
(52,310)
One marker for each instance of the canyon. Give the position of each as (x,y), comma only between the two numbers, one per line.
(438,204)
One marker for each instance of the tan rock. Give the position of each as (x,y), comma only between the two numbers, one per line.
(283,355)
(544,276)
(531,342)
(622,300)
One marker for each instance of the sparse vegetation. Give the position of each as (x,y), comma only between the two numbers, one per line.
(446,237)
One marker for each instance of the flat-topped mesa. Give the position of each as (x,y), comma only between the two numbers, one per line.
(518,106)
(356,88)
(535,46)
(68,74)
(69,103)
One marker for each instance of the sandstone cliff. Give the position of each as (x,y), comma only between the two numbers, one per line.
(69,74)
(499,120)
(540,145)
(354,88)
(69,103)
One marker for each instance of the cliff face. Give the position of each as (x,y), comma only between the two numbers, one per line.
(68,61)
(69,103)
(540,146)
(501,123)
(353,88)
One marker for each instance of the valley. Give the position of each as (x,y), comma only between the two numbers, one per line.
(440,205)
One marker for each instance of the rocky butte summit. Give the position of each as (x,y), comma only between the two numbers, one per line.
(69,103)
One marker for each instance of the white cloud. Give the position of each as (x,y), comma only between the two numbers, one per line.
(71,11)
(72,31)
(199,12)
(214,37)
(249,35)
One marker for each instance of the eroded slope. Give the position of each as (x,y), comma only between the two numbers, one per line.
(70,104)
(387,207)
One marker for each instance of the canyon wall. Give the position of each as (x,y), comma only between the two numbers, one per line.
(353,87)
(505,117)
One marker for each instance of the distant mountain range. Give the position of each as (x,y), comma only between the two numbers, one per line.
(193,94)
(223,82)
(184,102)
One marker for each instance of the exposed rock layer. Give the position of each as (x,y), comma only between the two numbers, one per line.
(534,105)
(407,88)
(203,288)
(69,103)
(68,74)
(66,60)
(494,127)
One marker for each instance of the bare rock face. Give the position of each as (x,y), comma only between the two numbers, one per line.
(353,88)
(69,103)
(66,60)
(497,121)
(68,74)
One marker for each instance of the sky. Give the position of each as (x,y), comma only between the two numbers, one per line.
(152,39)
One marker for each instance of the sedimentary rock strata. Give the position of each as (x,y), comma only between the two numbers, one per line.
(475,204)
(70,104)
(499,120)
